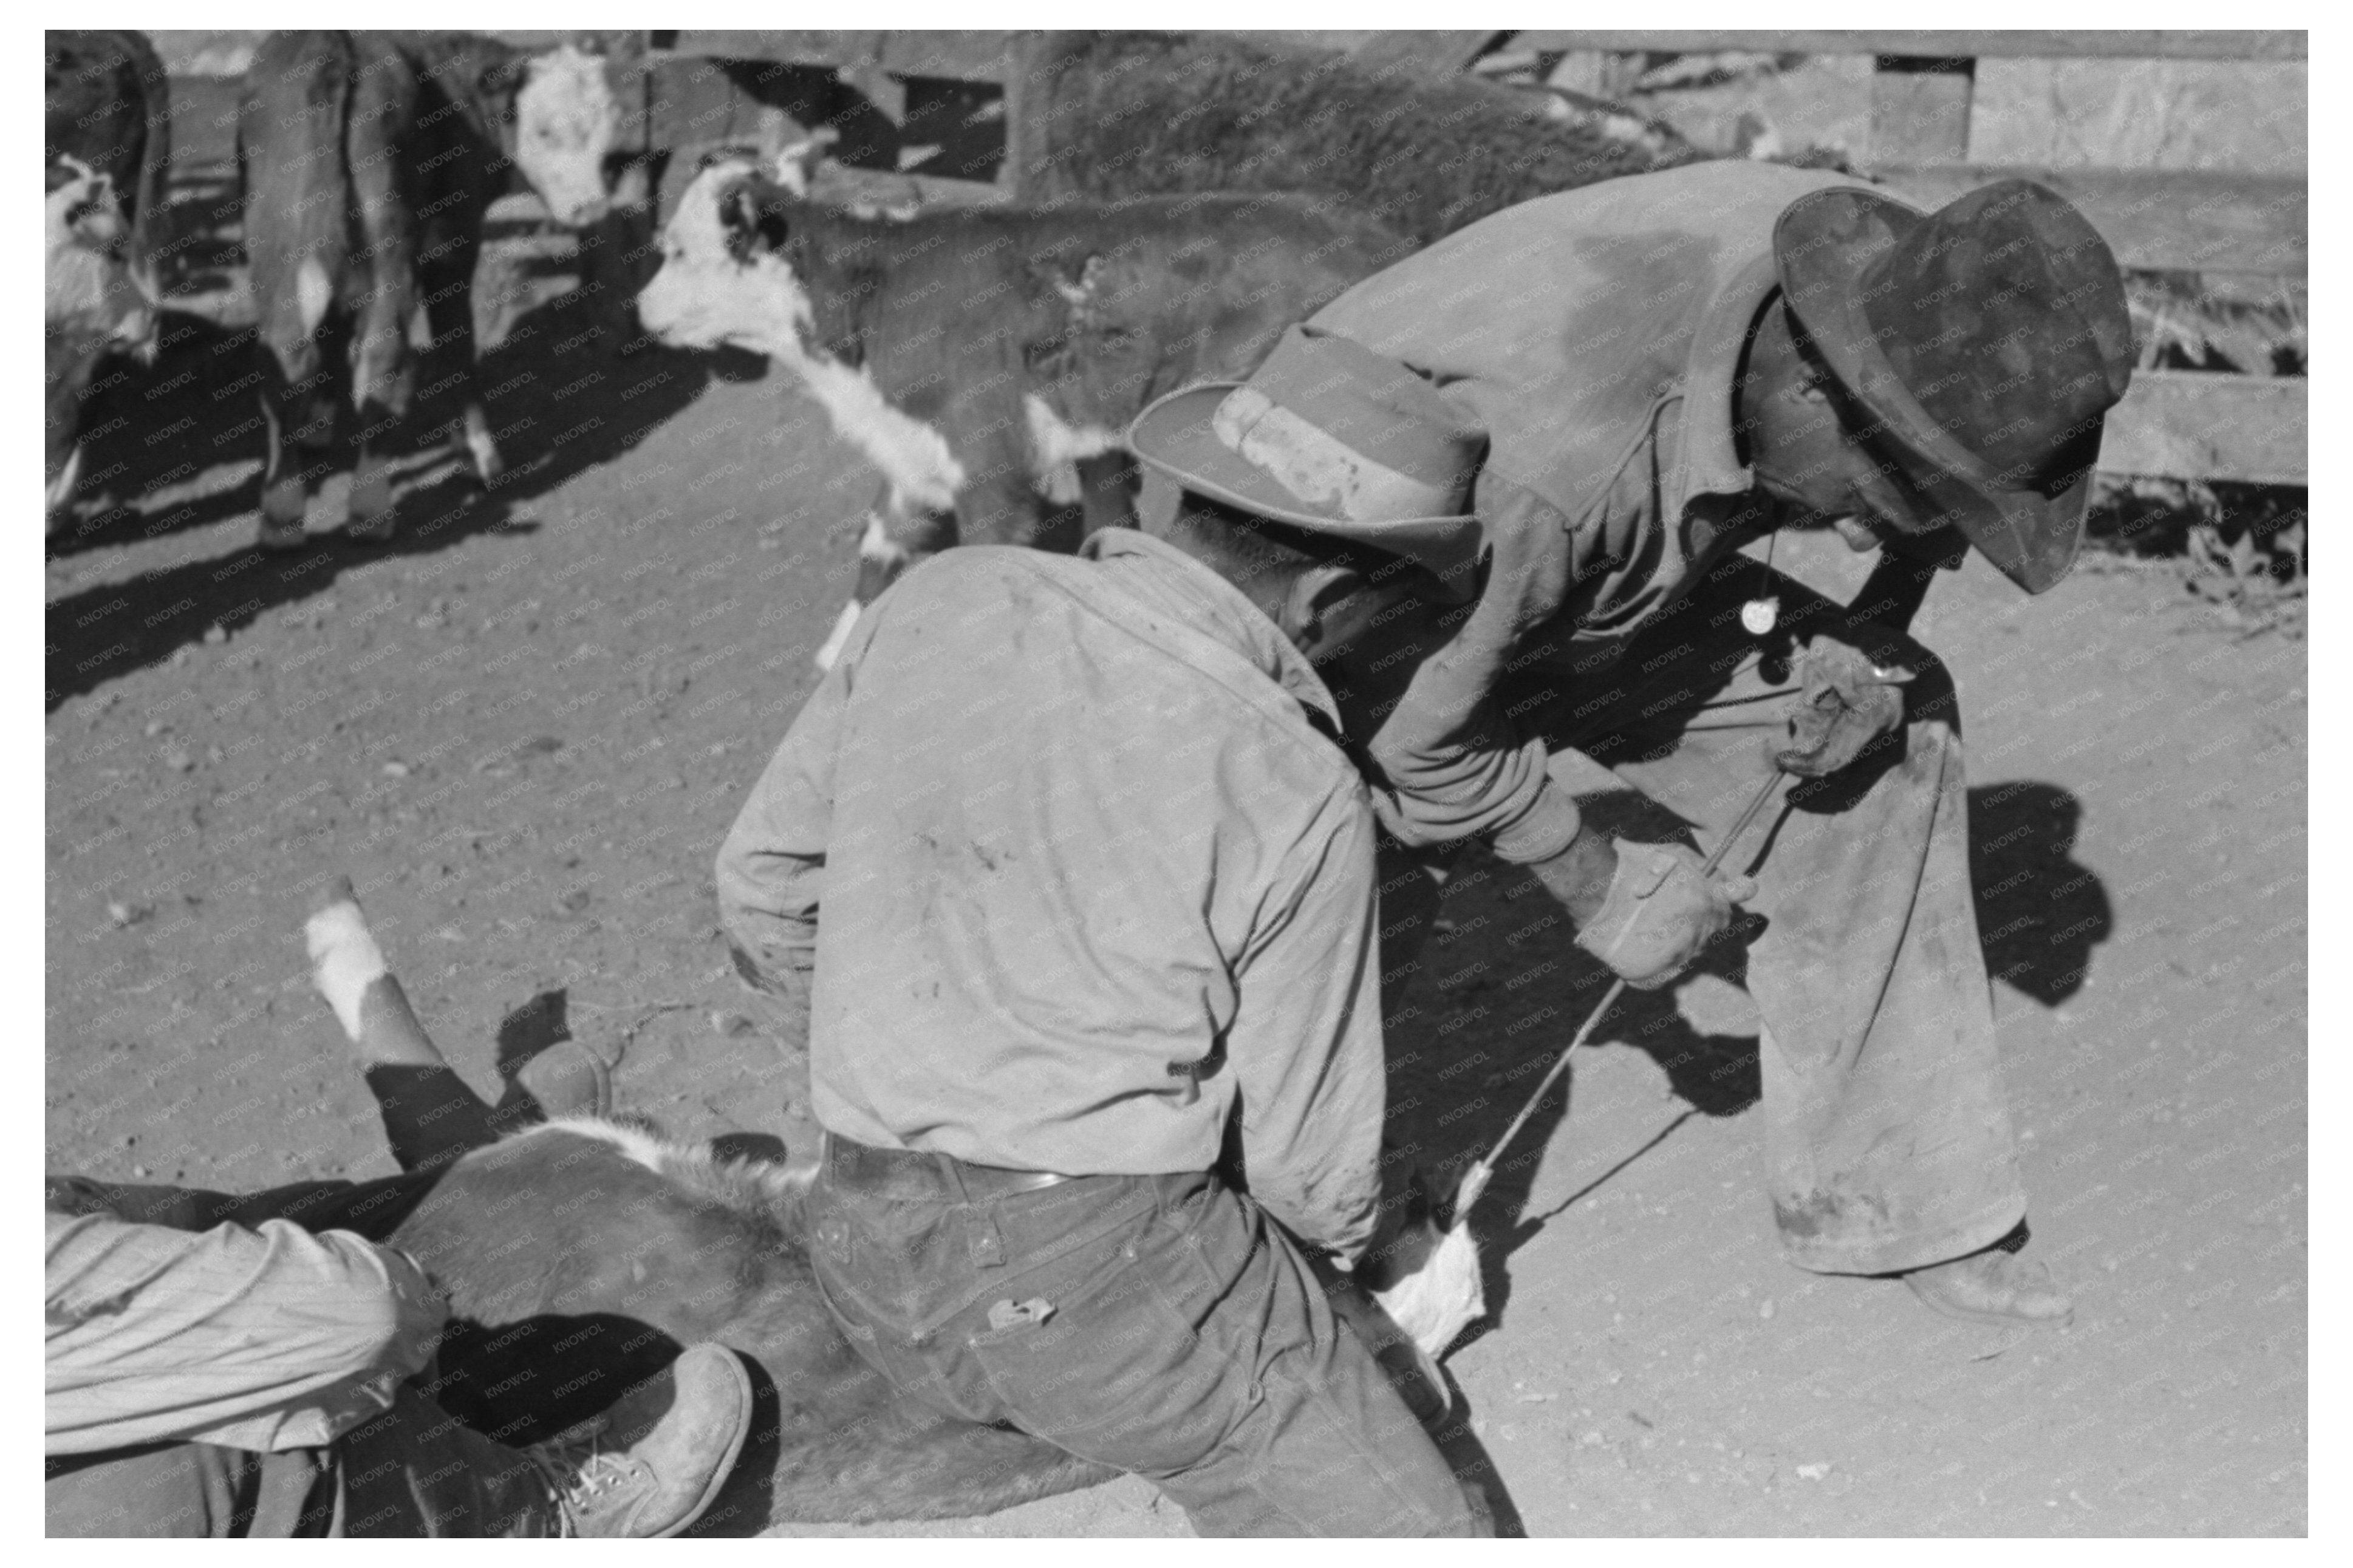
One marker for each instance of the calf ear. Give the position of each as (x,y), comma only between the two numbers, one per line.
(755,211)
(502,79)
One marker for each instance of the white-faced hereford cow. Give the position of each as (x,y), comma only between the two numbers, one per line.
(989,361)
(108,106)
(368,160)
(93,305)
(583,1255)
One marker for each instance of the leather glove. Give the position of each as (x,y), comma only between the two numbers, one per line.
(1661,911)
(1847,698)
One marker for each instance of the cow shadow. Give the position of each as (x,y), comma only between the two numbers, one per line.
(110,629)
(566,392)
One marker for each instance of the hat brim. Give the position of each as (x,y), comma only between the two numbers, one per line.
(1174,437)
(1821,244)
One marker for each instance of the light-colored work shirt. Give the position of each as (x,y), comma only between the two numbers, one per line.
(1079,873)
(1597,335)
(264,1339)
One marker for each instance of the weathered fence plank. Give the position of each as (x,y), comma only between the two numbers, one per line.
(2188,425)
(2106,44)
(2199,220)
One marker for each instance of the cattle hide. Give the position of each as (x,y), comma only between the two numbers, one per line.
(368,160)
(110,105)
(582,1255)
(1129,113)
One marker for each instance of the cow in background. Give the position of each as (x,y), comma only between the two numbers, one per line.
(988,361)
(93,305)
(368,161)
(1123,114)
(110,107)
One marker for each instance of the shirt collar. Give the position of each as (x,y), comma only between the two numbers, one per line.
(1709,465)
(1215,607)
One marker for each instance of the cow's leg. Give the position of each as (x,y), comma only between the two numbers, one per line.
(383,363)
(299,420)
(449,310)
(430,1116)
(64,478)
(899,532)
(1107,487)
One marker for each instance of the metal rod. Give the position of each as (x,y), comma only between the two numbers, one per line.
(1474,1180)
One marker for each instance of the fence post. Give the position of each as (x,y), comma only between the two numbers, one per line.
(1920,109)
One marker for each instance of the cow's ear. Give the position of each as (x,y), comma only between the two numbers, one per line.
(753,212)
(502,79)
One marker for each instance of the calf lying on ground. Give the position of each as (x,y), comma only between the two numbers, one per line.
(368,160)
(92,305)
(582,1255)
(110,105)
(988,360)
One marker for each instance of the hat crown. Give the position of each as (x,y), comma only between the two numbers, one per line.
(2003,315)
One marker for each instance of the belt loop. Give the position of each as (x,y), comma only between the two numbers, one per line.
(980,1233)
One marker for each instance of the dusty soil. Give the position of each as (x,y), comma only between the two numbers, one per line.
(523,727)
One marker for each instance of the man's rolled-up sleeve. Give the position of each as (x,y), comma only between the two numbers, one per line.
(1456,767)
(1305,1042)
(262,1339)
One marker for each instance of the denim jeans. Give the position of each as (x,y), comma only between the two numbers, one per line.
(1161,1324)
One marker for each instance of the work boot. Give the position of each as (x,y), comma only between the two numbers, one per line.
(651,1464)
(1994,1286)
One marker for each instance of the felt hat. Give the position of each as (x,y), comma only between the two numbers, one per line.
(1329,436)
(1989,339)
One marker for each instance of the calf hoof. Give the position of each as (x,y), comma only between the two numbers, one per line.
(282,505)
(369,515)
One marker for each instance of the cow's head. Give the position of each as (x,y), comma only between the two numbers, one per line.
(93,300)
(727,274)
(565,122)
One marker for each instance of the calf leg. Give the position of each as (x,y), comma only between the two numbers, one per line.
(430,1115)
(1107,487)
(900,531)
(299,422)
(449,312)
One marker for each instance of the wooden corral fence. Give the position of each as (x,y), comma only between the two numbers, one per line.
(953,116)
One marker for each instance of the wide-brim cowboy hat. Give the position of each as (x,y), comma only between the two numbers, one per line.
(1329,436)
(1989,340)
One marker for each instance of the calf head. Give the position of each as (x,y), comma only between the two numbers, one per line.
(565,122)
(90,292)
(93,304)
(726,275)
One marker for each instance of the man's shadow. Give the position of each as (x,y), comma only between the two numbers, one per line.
(1477,1014)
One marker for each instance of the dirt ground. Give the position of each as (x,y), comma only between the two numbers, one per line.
(523,726)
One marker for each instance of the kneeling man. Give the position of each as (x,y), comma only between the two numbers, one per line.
(1066,866)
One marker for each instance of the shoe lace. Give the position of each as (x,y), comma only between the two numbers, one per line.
(581,1471)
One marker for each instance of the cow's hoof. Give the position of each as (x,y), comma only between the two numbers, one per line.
(369,515)
(282,505)
(567,1078)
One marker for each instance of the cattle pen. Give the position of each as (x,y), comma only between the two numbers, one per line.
(523,721)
